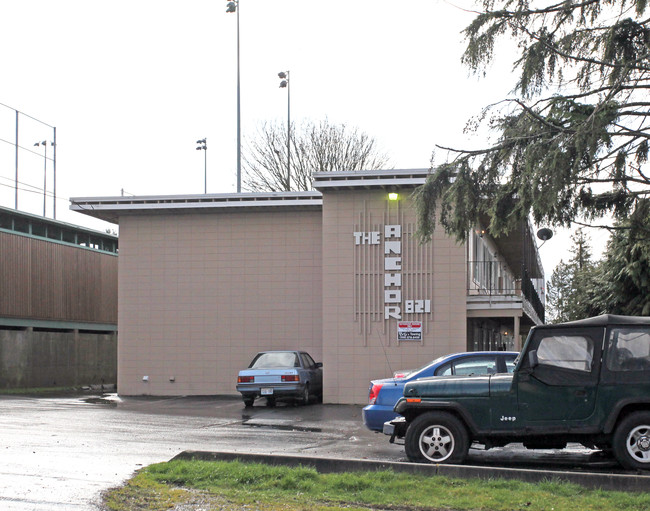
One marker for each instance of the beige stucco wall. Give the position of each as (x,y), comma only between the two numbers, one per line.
(358,343)
(200,294)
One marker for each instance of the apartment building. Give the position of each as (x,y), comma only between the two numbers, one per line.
(206,281)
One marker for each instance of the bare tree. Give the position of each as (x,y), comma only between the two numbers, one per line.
(321,147)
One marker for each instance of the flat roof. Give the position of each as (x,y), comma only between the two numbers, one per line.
(402,178)
(111,208)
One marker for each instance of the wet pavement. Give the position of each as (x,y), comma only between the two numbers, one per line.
(60,453)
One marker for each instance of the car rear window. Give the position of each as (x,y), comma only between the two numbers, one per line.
(275,360)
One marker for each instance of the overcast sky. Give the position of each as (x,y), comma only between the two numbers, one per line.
(131,85)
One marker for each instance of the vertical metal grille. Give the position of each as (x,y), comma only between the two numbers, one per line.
(417,273)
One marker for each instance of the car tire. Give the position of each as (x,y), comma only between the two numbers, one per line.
(305,395)
(248,401)
(437,437)
(631,442)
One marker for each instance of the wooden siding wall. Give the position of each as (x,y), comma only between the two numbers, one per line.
(50,281)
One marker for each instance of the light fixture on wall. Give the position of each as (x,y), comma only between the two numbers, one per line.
(393,196)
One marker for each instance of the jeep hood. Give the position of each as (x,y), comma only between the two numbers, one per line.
(457,386)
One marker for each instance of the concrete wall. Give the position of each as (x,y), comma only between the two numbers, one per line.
(30,358)
(359,343)
(200,294)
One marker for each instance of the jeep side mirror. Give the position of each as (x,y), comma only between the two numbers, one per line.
(533,361)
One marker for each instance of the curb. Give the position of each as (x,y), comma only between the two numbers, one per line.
(612,482)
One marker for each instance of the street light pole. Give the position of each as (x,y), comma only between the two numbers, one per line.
(284,76)
(203,145)
(233,6)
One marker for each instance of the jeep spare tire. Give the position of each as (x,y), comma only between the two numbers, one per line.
(437,437)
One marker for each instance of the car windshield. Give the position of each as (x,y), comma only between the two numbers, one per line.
(275,360)
(407,374)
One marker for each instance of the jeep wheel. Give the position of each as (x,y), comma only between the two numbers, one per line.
(437,437)
(632,441)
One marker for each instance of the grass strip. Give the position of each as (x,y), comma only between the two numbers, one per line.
(238,485)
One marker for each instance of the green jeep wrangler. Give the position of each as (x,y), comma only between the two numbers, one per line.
(585,381)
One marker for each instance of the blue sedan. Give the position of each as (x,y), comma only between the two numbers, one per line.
(383,394)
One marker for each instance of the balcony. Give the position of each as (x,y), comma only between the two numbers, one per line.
(490,284)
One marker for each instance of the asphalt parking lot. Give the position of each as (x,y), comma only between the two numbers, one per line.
(61,452)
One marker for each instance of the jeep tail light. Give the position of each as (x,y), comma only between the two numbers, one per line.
(290,377)
(374,393)
(245,379)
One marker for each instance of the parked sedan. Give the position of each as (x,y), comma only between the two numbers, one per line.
(281,374)
(383,394)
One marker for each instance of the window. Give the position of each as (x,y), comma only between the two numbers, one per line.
(307,361)
(275,360)
(469,365)
(629,349)
(444,370)
(476,366)
(567,352)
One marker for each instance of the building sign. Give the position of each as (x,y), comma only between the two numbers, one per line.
(394,304)
(409,330)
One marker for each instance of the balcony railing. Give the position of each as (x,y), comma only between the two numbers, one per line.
(488,278)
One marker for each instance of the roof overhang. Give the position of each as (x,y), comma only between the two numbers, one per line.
(111,208)
(384,179)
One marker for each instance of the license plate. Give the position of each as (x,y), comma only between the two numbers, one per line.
(266,392)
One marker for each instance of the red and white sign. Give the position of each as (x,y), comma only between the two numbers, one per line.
(409,331)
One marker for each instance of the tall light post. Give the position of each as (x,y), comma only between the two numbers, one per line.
(233,6)
(285,83)
(44,144)
(203,145)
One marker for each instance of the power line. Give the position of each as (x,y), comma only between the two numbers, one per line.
(24,148)
(26,115)
(35,189)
